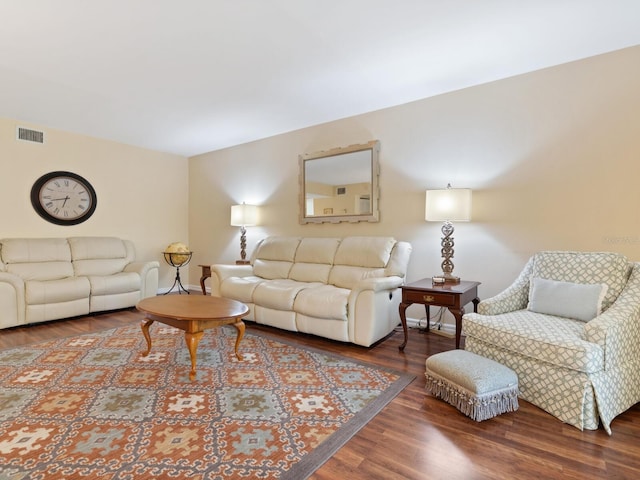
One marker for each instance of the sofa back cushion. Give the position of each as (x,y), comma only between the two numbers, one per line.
(358,258)
(611,269)
(99,255)
(314,259)
(369,252)
(37,258)
(273,257)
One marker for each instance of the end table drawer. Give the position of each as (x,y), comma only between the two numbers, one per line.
(427,297)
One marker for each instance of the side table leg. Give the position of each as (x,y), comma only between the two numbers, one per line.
(193,339)
(145,331)
(458,316)
(403,319)
(240,327)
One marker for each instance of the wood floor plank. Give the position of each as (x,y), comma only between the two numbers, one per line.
(418,437)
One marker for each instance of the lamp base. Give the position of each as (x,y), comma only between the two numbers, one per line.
(444,279)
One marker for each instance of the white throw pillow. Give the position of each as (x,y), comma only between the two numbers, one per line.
(565,299)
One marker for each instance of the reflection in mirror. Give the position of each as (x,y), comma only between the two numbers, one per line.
(340,185)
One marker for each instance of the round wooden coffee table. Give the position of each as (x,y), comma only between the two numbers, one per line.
(193,314)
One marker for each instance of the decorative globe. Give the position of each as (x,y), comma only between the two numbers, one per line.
(173,251)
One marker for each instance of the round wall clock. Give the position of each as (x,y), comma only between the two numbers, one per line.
(63,198)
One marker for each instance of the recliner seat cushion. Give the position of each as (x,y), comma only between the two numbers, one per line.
(56,291)
(325,301)
(113,284)
(240,288)
(344,276)
(279,294)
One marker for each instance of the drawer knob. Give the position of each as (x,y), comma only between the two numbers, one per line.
(428,298)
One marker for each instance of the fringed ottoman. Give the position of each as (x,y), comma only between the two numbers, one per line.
(477,386)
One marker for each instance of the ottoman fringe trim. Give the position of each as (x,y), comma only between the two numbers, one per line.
(477,407)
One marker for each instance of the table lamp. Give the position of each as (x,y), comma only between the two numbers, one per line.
(448,205)
(243,216)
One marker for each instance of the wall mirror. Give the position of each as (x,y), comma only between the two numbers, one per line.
(340,185)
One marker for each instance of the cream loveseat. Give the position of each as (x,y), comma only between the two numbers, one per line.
(50,278)
(342,289)
(570,328)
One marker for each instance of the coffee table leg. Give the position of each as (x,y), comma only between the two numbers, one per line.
(240,327)
(193,339)
(145,331)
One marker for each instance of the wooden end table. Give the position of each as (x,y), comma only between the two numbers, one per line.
(452,296)
(193,314)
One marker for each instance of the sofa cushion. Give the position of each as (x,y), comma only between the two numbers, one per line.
(310,272)
(240,288)
(277,248)
(612,269)
(556,340)
(565,299)
(370,252)
(114,284)
(98,256)
(346,277)
(43,271)
(33,250)
(271,269)
(56,291)
(87,248)
(325,301)
(317,250)
(279,294)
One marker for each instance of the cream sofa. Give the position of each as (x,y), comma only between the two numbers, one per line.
(569,326)
(342,289)
(50,278)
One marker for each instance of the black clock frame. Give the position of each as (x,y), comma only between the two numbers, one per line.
(42,211)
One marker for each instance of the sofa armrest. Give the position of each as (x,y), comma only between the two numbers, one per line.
(515,297)
(148,272)
(12,301)
(378,284)
(617,330)
(220,272)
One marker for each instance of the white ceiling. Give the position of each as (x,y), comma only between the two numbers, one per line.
(192,76)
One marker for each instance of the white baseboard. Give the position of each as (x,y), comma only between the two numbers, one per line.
(446,329)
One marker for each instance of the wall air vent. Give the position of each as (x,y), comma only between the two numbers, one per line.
(28,135)
(341,190)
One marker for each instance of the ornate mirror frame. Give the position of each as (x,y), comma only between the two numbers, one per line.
(340,185)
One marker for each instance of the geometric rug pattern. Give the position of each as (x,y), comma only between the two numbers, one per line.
(93,407)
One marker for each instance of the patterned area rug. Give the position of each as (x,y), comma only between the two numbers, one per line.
(93,407)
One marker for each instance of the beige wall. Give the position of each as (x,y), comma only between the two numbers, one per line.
(553,158)
(142,195)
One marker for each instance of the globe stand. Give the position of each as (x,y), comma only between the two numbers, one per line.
(177,259)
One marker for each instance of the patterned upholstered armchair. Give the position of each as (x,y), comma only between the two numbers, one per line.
(570,328)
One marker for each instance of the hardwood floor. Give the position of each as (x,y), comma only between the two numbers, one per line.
(419,437)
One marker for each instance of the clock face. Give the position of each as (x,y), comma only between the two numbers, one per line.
(63,198)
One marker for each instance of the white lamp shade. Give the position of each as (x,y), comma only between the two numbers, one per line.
(449,204)
(244,215)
